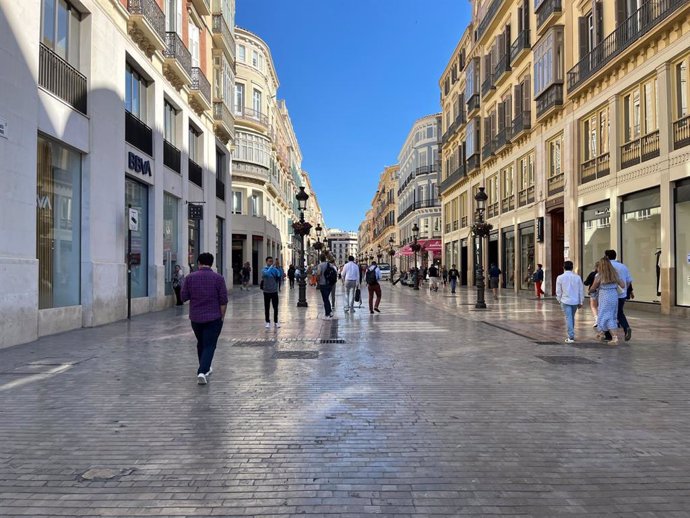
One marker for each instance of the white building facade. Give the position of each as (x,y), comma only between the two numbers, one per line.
(342,245)
(418,201)
(110,105)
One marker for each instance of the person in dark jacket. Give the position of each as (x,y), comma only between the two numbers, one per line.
(538,278)
(593,299)
(494,279)
(291,275)
(270,282)
(453,275)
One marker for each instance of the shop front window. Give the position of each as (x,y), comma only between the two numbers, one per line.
(509,259)
(170,239)
(137,196)
(527,265)
(641,233)
(682,244)
(58,225)
(596,234)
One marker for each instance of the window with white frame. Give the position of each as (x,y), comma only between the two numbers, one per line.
(256,102)
(60,29)
(242,53)
(193,36)
(237,197)
(554,148)
(194,143)
(239,98)
(224,79)
(252,148)
(640,110)
(169,119)
(548,60)
(595,134)
(173,16)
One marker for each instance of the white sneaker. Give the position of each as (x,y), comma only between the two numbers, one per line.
(569,341)
(210,371)
(201,379)
(277,324)
(268,325)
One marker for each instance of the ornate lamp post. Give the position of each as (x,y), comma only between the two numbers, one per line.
(480,230)
(379,255)
(302,229)
(416,247)
(391,254)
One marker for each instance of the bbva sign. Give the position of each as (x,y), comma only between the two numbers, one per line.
(138,164)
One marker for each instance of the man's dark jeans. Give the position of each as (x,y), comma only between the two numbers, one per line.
(622,321)
(326,296)
(207,334)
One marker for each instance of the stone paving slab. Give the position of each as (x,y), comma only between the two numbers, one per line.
(429,409)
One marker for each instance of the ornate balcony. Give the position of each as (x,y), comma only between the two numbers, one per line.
(223,38)
(521,123)
(146,25)
(501,70)
(203,7)
(255,119)
(61,79)
(489,16)
(595,168)
(503,138)
(200,92)
(546,13)
(642,22)
(549,99)
(489,149)
(488,86)
(473,163)
(520,46)
(526,196)
(508,203)
(681,132)
(224,123)
(177,66)
(453,178)
(640,150)
(472,105)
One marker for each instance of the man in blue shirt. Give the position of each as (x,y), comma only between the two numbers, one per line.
(624,275)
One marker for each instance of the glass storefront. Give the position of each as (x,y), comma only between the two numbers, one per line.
(509,259)
(220,240)
(194,243)
(137,195)
(58,225)
(596,234)
(170,238)
(682,224)
(527,265)
(641,238)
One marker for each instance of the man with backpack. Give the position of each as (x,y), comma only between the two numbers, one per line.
(433,278)
(373,276)
(327,277)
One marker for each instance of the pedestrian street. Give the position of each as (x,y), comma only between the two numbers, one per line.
(431,408)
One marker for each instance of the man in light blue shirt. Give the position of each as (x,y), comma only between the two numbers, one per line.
(624,275)
(570,292)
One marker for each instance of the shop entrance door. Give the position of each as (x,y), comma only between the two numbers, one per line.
(463,263)
(493,249)
(557,246)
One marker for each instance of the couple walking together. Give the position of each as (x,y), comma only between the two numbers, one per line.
(352,278)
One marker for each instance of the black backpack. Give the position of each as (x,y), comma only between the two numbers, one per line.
(331,275)
(371,277)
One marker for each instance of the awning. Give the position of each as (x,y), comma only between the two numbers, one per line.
(405,251)
(431,245)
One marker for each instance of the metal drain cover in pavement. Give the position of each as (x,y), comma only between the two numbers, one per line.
(566,360)
(329,341)
(295,355)
(253,343)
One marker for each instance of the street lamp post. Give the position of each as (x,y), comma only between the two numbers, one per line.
(480,230)
(302,230)
(416,247)
(379,255)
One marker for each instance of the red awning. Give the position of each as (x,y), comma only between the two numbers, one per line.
(406,251)
(431,245)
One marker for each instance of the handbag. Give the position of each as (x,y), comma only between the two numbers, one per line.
(358,294)
(619,289)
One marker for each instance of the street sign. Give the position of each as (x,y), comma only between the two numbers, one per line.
(134,220)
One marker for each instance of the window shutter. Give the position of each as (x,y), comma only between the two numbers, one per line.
(520,20)
(621,12)
(584,40)
(518,100)
(506,43)
(501,117)
(525,14)
(526,101)
(599,22)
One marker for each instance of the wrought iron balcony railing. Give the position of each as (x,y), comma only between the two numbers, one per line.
(196,175)
(633,28)
(521,123)
(138,134)
(681,132)
(151,12)
(60,78)
(595,168)
(201,84)
(640,150)
(550,98)
(176,49)
(172,157)
(520,44)
(546,9)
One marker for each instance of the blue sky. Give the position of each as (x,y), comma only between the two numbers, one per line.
(355,74)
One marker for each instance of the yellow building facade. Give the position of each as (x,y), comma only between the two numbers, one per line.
(574,117)
(384,208)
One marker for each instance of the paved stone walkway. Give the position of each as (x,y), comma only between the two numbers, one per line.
(429,409)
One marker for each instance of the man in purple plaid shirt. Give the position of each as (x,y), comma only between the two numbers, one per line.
(208,299)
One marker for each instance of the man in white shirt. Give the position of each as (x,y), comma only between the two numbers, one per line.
(350,277)
(570,292)
(623,274)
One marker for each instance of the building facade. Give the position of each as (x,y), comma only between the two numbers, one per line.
(417,194)
(342,245)
(384,209)
(111,105)
(365,235)
(574,118)
(266,162)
